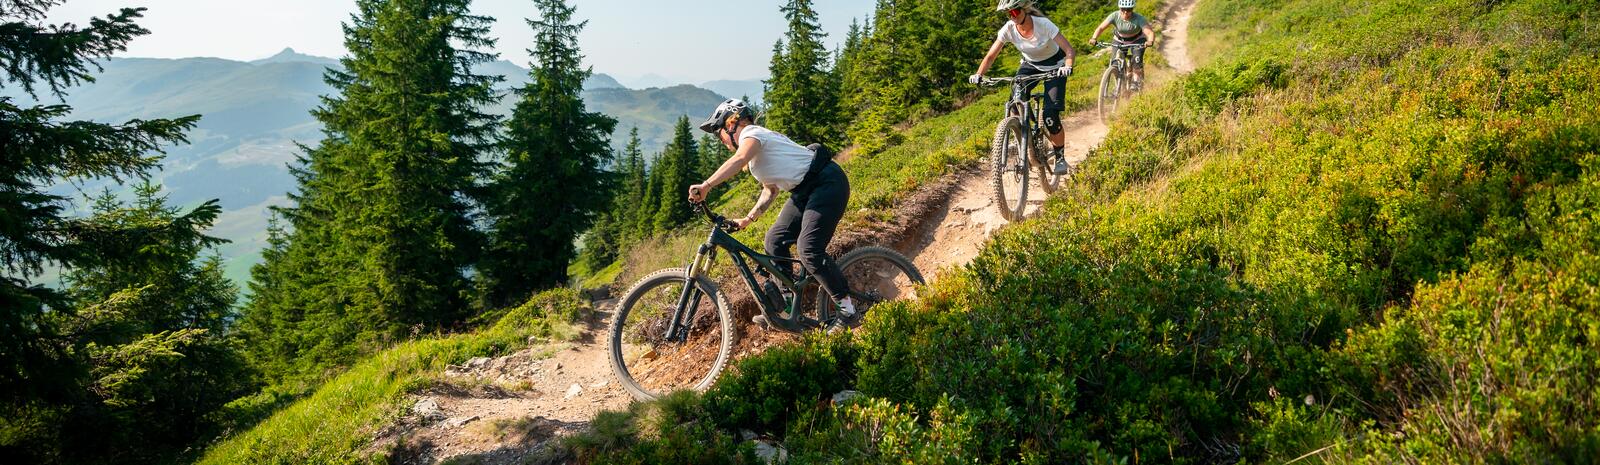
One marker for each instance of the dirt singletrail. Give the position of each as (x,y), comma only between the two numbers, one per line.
(1175,35)
(502,410)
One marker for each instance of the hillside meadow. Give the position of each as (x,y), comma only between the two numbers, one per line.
(1361,232)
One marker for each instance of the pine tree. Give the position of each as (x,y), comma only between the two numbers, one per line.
(674,174)
(630,204)
(554,184)
(802,96)
(380,235)
(41,371)
(650,202)
(152,318)
(712,155)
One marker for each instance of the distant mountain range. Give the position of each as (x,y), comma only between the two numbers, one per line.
(254,114)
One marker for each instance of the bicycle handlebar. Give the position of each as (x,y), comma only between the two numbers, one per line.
(1018,80)
(713,217)
(1121,46)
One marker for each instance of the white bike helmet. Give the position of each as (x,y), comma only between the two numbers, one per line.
(1012,4)
(1124,3)
(729,108)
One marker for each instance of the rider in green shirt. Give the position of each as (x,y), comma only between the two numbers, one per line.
(1130,28)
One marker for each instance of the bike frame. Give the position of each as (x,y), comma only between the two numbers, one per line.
(689,300)
(1119,57)
(1028,108)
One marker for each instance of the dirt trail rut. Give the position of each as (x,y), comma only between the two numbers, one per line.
(500,410)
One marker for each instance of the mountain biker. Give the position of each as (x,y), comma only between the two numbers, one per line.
(1130,28)
(1044,50)
(818,193)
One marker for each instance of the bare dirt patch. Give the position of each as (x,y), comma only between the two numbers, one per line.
(502,410)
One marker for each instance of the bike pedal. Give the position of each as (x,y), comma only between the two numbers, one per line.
(761,320)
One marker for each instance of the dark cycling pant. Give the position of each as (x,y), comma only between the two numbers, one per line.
(1053,91)
(1135,57)
(809,219)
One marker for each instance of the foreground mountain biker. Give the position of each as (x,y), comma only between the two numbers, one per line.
(818,193)
(1044,50)
(1129,28)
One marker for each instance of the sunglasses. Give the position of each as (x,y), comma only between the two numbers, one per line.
(1014,12)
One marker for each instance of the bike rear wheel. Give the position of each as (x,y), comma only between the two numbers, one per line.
(1007,153)
(875,275)
(649,365)
(1046,170)
(1110,92)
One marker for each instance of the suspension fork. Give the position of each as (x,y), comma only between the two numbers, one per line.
(689,300)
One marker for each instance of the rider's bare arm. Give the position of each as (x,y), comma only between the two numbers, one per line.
(1061,41)
(735,163)
(988,59)
(769,193)
(1096,36)
(1151,34)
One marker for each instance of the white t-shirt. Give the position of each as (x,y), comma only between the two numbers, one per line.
(1041,47)
(775,159)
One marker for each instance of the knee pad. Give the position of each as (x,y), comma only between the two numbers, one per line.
(1052,121)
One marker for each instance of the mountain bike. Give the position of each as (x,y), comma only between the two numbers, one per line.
(674,328)
(1114,82)
(1019,141)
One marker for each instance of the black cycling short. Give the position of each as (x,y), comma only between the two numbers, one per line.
(1136,55)
(1054,89)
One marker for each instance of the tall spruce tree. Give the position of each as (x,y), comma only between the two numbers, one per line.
(42,369)
(631,202)
(152,319)
(379,236)
(802,96)
(674,173)
(645,217)
(554,184)
(712,154)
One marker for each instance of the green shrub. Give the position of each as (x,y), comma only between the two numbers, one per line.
(1366,232)
(870,430)
(674,429)
(1212,87)
(763,393)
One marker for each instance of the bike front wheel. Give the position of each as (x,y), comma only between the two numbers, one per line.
(1110,92)
(647,362)
(875,275)
(1008,154)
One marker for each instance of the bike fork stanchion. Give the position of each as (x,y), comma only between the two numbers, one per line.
(690,296)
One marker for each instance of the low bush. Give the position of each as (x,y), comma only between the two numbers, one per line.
(1365,232)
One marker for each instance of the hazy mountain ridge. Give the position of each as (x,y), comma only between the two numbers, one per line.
(751,89)
(254,114)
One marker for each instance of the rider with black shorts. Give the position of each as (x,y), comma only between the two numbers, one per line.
(1044,50)
(818,194)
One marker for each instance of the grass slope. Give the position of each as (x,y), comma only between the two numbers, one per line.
(1362,232)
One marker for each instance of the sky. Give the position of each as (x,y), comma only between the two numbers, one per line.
(689,41)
